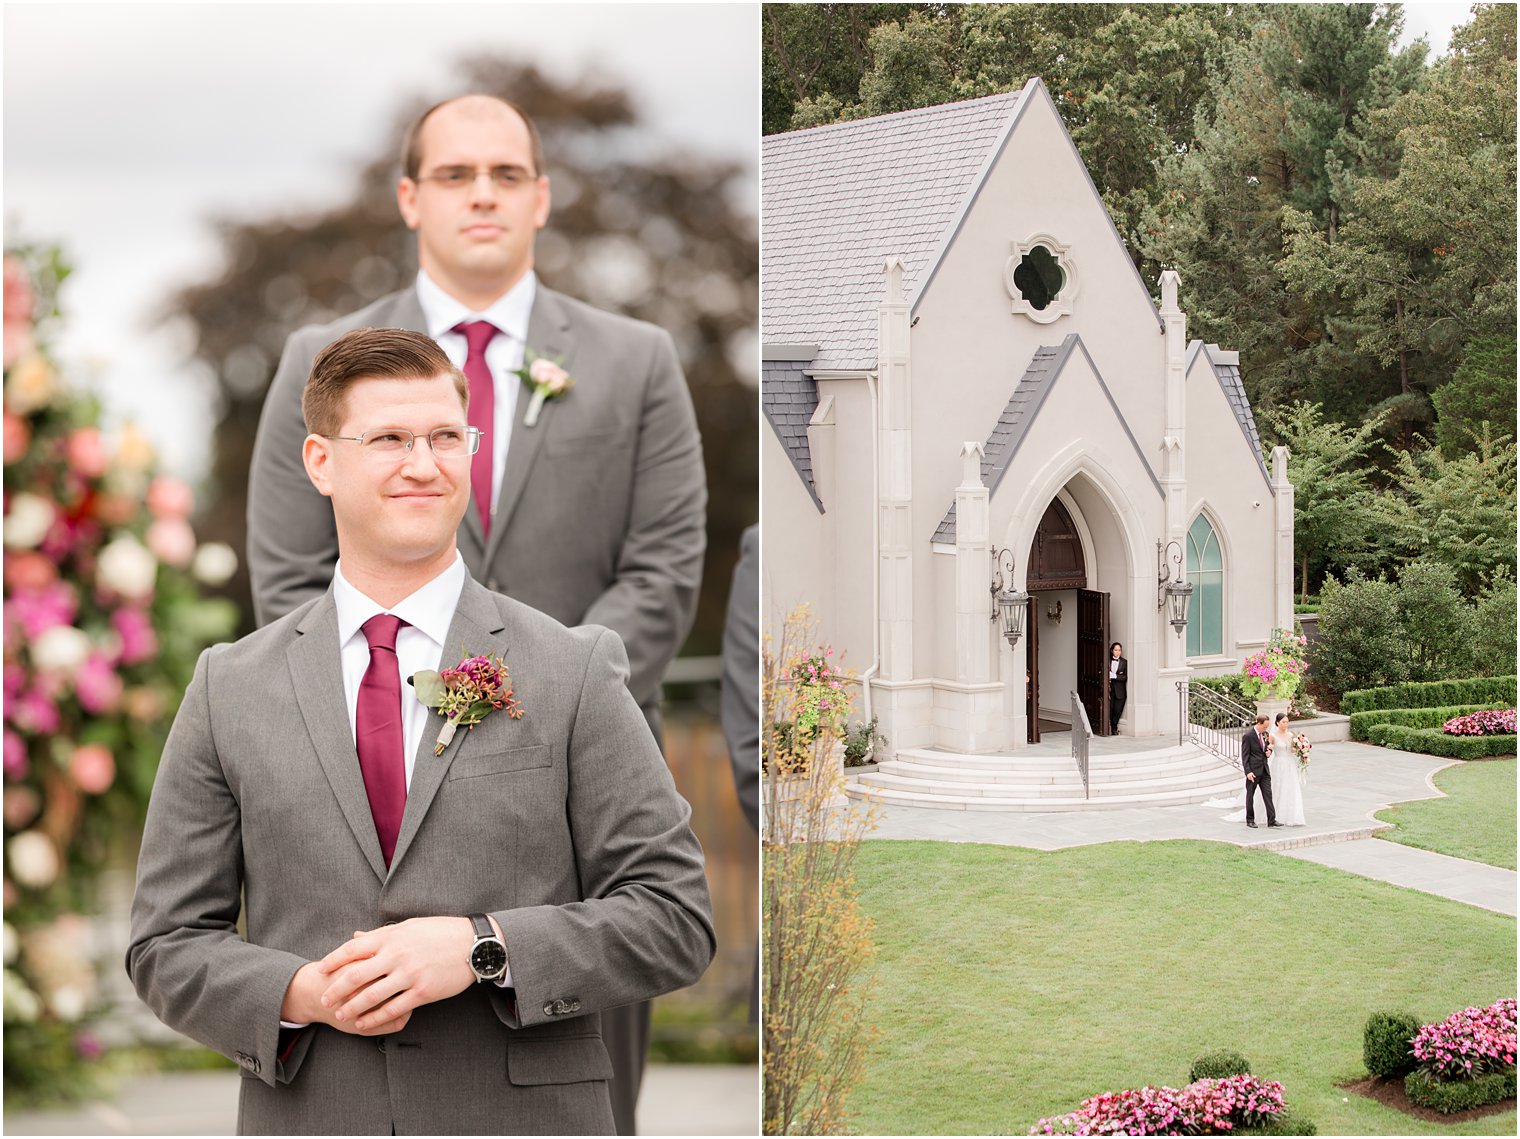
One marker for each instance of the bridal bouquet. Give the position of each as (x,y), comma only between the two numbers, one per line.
(1301,748)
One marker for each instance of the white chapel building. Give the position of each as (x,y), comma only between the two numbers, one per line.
(968,386)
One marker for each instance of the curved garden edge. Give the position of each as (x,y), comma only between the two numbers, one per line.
(1389,1091)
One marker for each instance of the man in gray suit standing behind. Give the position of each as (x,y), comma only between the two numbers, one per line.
(589,502)
(437,914)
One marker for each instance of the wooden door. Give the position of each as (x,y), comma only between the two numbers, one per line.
(1092,657)
(1032,653)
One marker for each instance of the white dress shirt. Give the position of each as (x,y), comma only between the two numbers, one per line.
(428,612)
(504,355)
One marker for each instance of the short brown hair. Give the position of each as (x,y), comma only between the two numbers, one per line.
(370,354)
(1262,717)
(411,146)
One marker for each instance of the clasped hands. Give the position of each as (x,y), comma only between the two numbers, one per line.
(370,985)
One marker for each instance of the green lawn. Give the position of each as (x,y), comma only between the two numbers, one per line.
(1476,820)
(1014,983)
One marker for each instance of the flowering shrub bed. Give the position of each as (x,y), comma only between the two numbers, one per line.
(1204,1107)
(1276,672)
(1487,723)
(1469,1042)
(814,704)
(103,622)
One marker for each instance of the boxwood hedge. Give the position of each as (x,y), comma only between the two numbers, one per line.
(1433,741)
(1432,694)
(1363,722)
(1447,1096)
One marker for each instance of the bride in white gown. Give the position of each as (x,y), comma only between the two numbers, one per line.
(1287,777)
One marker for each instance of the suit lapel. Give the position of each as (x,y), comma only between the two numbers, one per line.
(475,630)
(548,335)
(316,670)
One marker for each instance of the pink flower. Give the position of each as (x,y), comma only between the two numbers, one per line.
(172,541)
(97,685)
(37,611)
(86,452)
(18,437)
(20,303)
(34,712)
(92,768)
(169,497)
(15,757)
(138,640)
(29,570)
(21,806)
(549,376)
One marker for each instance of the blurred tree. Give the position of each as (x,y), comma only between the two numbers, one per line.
(816,51)
(670,240)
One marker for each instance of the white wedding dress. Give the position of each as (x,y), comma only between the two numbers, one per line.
(1287,788)
(1287,781)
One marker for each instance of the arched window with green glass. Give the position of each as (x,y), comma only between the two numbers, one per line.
(1205,569)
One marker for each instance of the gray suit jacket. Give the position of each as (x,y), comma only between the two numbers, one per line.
(741,676)
(601,518)
(564,824)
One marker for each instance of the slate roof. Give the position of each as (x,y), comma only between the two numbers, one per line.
(790,398)
(1226,366)
(838,200)
(1013,424)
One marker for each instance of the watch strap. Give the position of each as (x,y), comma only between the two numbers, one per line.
(482,926)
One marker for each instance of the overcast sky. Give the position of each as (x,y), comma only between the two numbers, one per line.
(128,127)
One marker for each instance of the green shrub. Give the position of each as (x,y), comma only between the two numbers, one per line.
(1439,625)
(1285,1122)
(1218,1065)
(1385,1043)
(860,743)
(1447,1096)
(1360,642)
(1433,694)
(1363,722)
(1433,741)
(1494,639)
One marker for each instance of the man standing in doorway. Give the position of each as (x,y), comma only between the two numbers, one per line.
(588,493)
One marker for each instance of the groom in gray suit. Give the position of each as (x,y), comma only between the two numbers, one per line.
(591,509)
(434,924)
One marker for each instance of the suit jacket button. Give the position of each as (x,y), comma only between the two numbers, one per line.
(380,1044)
(549,1009)
(575,1006)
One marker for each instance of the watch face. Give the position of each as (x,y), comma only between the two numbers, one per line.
(488,958)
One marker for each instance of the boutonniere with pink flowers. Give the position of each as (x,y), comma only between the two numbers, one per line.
(466,694)
(548,381)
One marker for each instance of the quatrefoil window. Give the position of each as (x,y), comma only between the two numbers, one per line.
(1041,279)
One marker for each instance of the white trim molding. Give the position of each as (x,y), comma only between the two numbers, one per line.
(1061,304)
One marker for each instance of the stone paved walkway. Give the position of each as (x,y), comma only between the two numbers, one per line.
(1348,784)
(678,1099)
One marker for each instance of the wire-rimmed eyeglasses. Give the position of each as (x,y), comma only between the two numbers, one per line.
(393,442)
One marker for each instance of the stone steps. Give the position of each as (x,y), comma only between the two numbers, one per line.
(1160,777)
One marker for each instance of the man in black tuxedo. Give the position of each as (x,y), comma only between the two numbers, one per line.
(1118,685)
(1253,757)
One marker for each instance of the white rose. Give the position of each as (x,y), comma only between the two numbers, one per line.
(127,567)
(12,945)
(68,1002)
(215,563)
(20,1002)
(28,522)
(34,859)
(62,648)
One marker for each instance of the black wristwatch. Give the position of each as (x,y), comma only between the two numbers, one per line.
(488,956)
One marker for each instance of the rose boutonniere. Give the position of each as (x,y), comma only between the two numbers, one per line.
(548,381)
(466,694)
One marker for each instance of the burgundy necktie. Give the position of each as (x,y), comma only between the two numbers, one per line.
(377,731)
(477,334)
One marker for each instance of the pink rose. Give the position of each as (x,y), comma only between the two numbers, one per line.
(19,305)
(29,571)
(21,806)
(138,640)
(18,436)
(38,610)
(34,712)
(97,685)
(92,768)
(15,761)
(87,452)
(169,497)
(172,541)
(548,375)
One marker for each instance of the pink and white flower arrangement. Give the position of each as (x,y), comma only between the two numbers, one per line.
(1469,1042)
(1276,672)
(1301,748)
(1494,722)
